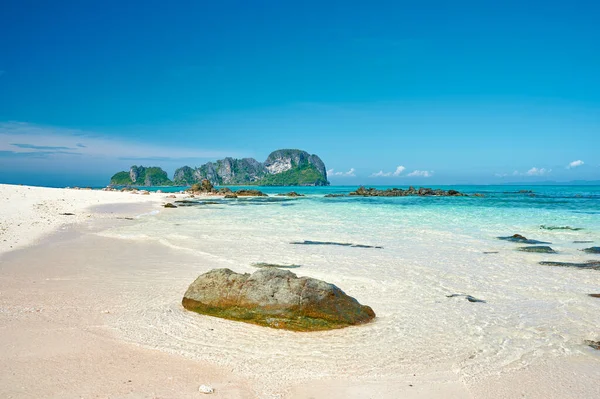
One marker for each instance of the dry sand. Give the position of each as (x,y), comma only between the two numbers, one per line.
(60,299)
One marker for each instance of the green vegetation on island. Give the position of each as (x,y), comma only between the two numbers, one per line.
(282,168)
(141,176)
(306,175)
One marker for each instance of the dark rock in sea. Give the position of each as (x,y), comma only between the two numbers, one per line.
(230,196)
(594,295)
(342,244)
(592,250)
(250,193)
(169,205)
(592,264)
(398,192)
(543,227)
(274,298)
(204,187)
(478,195)
(537,249)
(467,297)
(263,264)
(521,239)
(125,218)
(334,195)
(67,214)
(490,252)
(593,344)
(582,242)
(224,190)
(290,194)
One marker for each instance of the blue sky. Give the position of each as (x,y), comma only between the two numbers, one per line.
(452,92)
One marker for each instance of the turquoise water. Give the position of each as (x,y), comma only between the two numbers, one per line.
(432,247)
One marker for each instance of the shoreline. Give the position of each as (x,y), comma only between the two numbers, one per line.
(100,287)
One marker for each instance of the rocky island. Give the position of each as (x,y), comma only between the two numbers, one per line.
(281,168)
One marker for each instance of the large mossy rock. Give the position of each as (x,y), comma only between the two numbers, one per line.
(274,298)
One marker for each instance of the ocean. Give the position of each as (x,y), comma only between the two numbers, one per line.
(432,248)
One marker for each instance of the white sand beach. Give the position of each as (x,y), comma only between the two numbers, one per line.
(90,308)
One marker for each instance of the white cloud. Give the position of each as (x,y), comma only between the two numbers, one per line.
(531,172)
(25,138)
(420,173)
(395,173)
(537,172)
(349,173)
(381,173)
(575,164)
(399,170)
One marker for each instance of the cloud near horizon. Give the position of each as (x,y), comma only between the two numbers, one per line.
(349,173)
(575,164)
(395,173)
(420,173)
(25,140)
(538,172)
(534,171)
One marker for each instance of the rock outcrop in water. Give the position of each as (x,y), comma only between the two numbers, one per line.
(398,192)
(518,238)
(541,249)
(591,264)
(592,250)
(274,298)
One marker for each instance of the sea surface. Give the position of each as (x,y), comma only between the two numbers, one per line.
(433,247)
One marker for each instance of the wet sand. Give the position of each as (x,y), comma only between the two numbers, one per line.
(71,309)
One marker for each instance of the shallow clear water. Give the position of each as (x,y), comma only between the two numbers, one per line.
(432,247)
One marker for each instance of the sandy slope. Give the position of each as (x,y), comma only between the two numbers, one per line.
(29,213)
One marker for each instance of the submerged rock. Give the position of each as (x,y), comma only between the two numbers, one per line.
(521,239)
(169,205)
(592,264)
(592,250)
(593,344)
(290,194)
(467,297)
(342,244)
(274,298)
(582,242)
(250,193)
(594,295)
(264,264)
(538,249)
(490,252)
(230,196)
(398,192)
(334,195)
(543,227)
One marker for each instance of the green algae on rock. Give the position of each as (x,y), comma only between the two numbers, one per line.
(274,298)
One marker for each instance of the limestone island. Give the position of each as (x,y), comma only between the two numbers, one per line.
(281,168)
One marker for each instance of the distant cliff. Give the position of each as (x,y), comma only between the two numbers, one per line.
(141,176)
(282,168)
